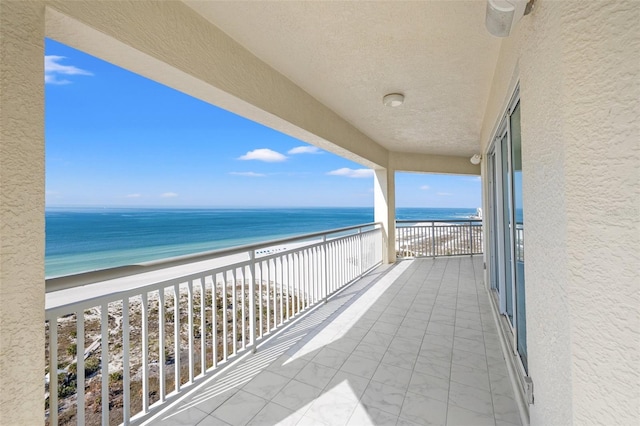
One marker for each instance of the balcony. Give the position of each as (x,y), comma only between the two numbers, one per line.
(415,343)
(308,330)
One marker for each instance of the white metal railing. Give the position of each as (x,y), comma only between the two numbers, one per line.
(433,238)
(135,349)
(519,243)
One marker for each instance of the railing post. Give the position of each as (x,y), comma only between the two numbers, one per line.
(470,238)
(252,301)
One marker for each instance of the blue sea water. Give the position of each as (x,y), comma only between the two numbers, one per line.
(85,239)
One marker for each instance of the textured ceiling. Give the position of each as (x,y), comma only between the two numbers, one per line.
(349,54)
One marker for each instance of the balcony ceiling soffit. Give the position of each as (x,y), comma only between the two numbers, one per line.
(349,54)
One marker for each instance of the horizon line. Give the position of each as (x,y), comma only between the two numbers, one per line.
(230,207)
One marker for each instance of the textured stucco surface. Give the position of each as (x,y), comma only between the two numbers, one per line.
(384,195)
(21,213)
(349,54)
(601,48)
(403,162)
(579,74)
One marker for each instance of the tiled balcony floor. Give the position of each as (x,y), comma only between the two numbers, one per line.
(412,344)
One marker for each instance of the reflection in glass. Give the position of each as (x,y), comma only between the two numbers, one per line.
(506,225)
(516,163)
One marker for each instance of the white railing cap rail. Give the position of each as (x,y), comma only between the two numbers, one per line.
(452,221)
(92,277)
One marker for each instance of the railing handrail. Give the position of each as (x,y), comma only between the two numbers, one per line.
(440,221)
(92,277)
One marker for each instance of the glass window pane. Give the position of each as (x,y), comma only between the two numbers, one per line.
(506,218)
(516,161)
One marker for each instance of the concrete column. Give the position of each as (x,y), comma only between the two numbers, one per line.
(22,187)
(384,195)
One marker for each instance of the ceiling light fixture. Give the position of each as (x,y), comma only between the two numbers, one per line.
(503,15)
(393,100)
(475,160)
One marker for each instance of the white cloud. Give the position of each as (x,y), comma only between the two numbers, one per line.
(248,174)
(352,173)
(444,194)
(134,195)
(169,195)
(264,154)
(304,150)
(425,187)
(53,69)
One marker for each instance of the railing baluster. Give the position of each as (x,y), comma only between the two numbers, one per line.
(312,275)
(281,279)
(302,284)
(234,311)
(316,274)
(286,283)
(268,295)
(80,400)
(298,281)
(214,318)
(203,327)
(190,328)
(145,352)
(325,265)
(243,307)
(176,336)
(274,292)
(260,299)
(360,254)
(161,348)
(252,301)
(225,321)
(126,374)
(53,371)
(308,276)
(104,362)
(340,264)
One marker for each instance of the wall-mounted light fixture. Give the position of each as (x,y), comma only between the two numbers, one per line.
(393,99)
(475,160)
(503,15)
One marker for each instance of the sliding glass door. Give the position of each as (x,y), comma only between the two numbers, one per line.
(504,167)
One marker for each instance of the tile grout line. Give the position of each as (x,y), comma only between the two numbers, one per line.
(446,415)
(493,406)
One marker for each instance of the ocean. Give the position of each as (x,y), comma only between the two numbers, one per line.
(86,239)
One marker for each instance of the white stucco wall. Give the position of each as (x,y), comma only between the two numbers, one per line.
(384,195)
(21,213)
(579,74)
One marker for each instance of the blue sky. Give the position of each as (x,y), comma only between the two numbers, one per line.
(114,138)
